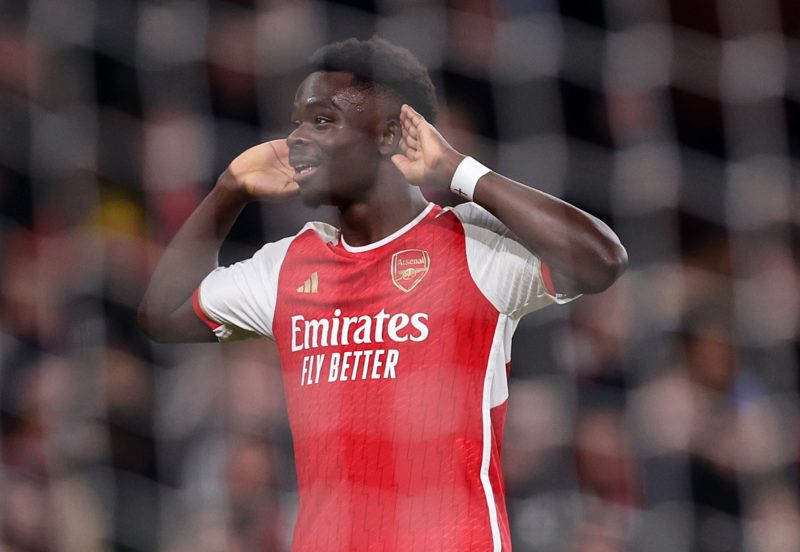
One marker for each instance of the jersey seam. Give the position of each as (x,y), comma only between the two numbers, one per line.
(466,259)
(279,276)
(487,439)
(201,312)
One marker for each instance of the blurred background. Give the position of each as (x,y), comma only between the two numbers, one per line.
(661,415)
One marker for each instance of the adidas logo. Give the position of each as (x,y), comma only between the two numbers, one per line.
(311,285)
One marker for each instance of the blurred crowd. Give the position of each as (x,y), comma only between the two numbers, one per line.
(661,415)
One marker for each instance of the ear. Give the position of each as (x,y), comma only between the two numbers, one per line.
(390,137)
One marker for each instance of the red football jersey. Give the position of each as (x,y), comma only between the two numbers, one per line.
(395,359)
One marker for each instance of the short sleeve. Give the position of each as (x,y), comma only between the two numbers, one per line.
(515,280)
(238,301)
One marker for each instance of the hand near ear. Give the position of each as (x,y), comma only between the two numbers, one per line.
(263,172)
(426,156)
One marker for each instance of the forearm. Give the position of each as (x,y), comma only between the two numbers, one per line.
(165,310)
(583,253)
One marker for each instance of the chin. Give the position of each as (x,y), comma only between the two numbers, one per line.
(314,198)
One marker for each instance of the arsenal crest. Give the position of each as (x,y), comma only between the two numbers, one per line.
(409,267)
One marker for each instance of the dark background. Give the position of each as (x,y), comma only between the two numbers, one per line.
(660,415)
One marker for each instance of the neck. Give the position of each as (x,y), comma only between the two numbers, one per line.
(385,208)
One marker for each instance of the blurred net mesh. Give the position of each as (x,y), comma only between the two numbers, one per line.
(660,415)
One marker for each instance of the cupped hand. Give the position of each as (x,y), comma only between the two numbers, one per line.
(263,172)
(426,157)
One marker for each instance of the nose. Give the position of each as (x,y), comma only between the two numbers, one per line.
(297,136)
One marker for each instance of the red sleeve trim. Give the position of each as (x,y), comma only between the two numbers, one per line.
(201,314)
(547,278)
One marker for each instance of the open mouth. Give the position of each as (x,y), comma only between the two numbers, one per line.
(301,171)
(304,169)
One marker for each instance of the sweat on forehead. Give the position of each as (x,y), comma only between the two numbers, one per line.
(360,91)
(344,89)
(351,96)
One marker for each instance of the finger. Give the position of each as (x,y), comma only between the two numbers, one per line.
(402,163)
(281,146)
(411,141)
(287,172)
(408,128)
(411,151)
(409,111)
(417,127)
(278,148)
(415,118)
(404,149)
(281,150)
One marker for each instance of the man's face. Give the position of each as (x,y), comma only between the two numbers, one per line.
(334,147)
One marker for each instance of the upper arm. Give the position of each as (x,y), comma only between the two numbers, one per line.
(181,326)
(513,278)
(238,301)
(565,285)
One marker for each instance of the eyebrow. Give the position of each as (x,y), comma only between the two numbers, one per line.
(315,102)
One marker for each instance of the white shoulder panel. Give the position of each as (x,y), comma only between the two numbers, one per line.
(327,232)
(242,297)
(504,270)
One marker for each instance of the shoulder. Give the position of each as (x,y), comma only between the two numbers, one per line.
(311,230)
(271,255)
(473,216)
(322,230)
(479,225)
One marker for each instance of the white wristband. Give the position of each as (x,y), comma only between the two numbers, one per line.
(466,177)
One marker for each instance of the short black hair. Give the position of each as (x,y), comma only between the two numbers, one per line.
(378,61)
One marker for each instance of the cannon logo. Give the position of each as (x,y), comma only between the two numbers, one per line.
(409,267)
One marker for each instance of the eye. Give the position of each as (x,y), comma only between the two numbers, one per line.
(320,120)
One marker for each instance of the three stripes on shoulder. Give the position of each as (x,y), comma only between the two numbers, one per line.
(311,285)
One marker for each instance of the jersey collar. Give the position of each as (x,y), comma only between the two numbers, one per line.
(393,236)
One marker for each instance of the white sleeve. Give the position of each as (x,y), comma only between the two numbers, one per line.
(511,277)
(241,298)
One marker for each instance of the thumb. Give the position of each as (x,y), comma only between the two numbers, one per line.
(402,163)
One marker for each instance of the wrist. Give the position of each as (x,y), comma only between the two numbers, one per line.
(465,177)
(231,189)
(450,161)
